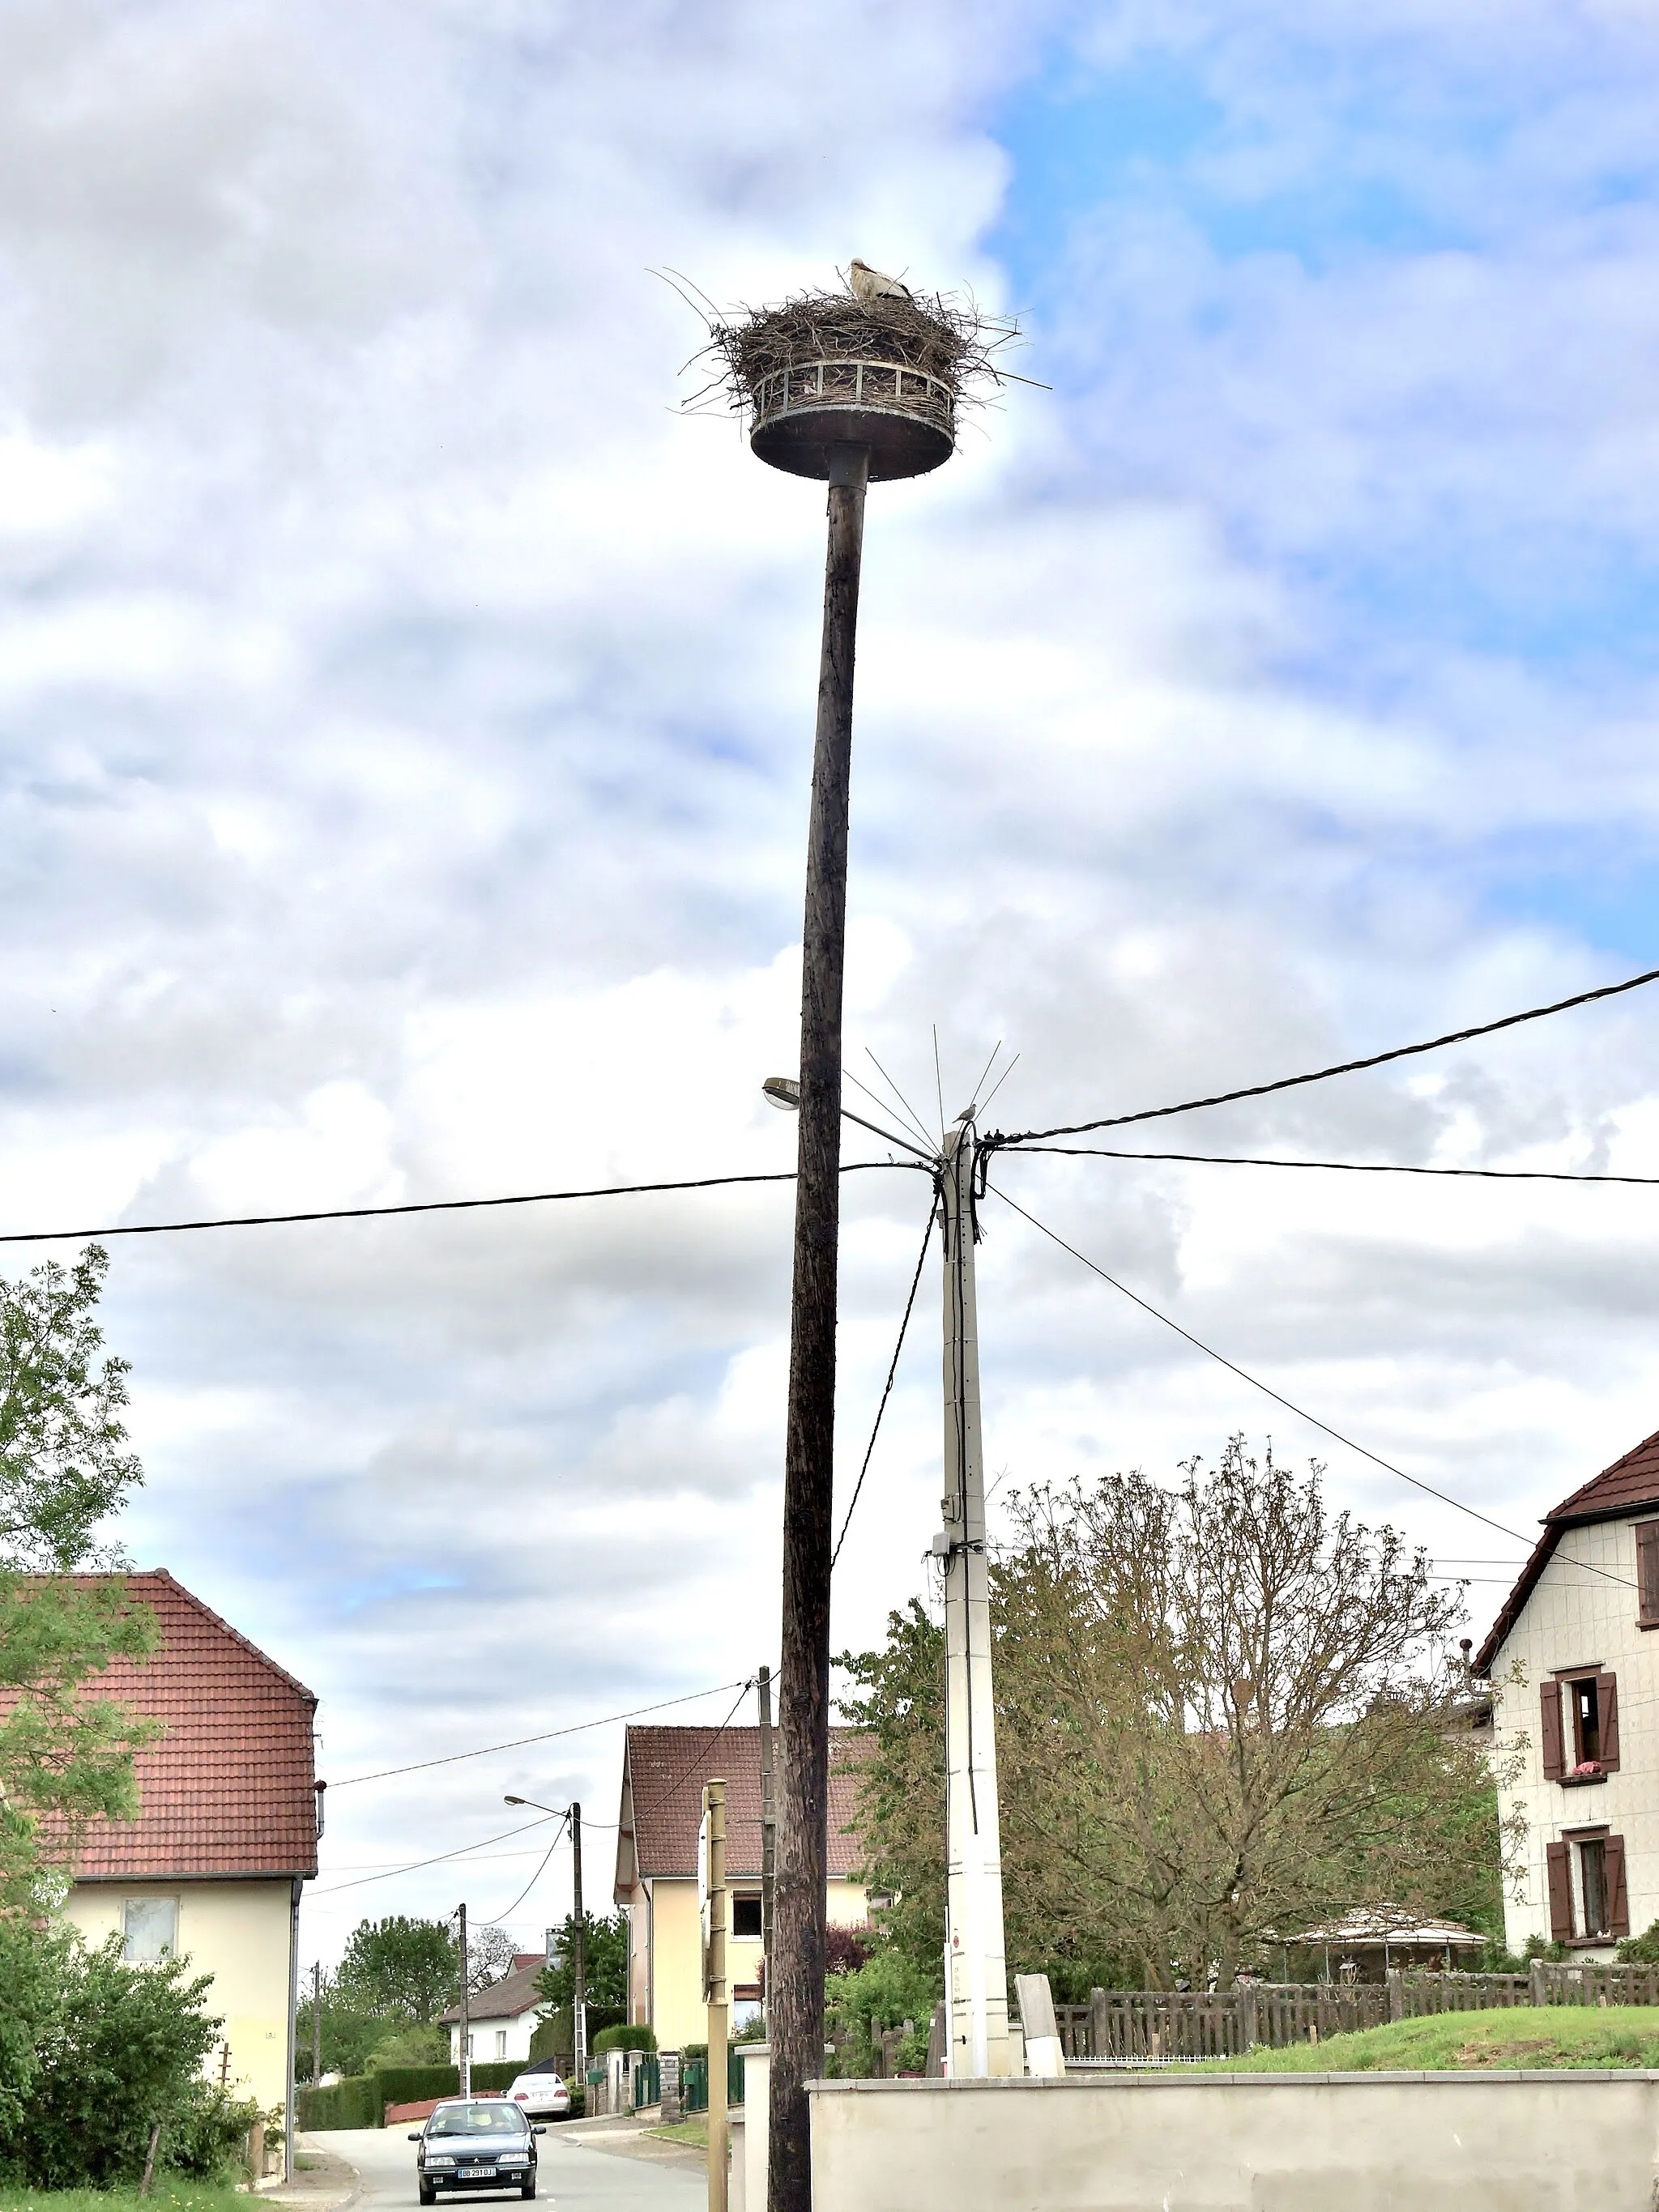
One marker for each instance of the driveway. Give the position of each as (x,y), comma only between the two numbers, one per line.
(570,2174)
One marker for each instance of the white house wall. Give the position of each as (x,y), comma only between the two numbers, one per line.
(496,2041)
(238,1933)
(1577,1616)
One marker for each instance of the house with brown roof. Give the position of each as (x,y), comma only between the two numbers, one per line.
(226,1834)
(503,2017)
(663,1770)
(1575,1699)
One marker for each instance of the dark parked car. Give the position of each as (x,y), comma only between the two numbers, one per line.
(475,2144)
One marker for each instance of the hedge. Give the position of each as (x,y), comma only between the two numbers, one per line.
(361,2100)
(624,2038)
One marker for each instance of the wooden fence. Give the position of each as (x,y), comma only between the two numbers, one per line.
(1126,2025)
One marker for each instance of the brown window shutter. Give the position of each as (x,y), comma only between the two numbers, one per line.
(1617,1894)
(1560,1880)
(1607,1712)
(1555,1764)
(1647,1573)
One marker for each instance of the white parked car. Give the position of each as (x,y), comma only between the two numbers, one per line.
(540,2093)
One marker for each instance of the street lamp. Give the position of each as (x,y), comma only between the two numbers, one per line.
(573,1813)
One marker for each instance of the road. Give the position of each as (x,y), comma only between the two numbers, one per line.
(570,2175)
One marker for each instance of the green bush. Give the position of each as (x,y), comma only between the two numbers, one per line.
(207,2137)
(1641,1950)
(637,2037)
(409,2045)
(883,1994)
(114,2050)
(361,2100)
(691,2052)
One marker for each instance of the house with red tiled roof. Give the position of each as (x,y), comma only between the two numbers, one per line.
(663,1770)
(1575,1686)
(226,1834)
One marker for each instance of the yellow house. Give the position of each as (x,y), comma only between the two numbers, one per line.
(212,1866)
(663,1770)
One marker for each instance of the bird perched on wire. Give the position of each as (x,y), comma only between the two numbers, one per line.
(870,284)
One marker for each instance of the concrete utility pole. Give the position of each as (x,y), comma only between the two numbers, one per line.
(976,1986)
(463,2054)
(578,1957)
(714,1984)
(316,2022)
(769,1836)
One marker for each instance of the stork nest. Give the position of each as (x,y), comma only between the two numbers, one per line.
(946,336)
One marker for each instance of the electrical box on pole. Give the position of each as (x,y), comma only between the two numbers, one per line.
(976,1986)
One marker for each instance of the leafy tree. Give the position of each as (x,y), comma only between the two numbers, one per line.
(604,1963)
(398,1969)
(1222,1712)
(111,2050)
(63,1468)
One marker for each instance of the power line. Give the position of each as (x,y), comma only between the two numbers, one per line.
(463,1850)
(998,1141)
(1278,1396)
(887,1388)
(563,1824)
(576,1727)
(1338,1167)
(424,1206)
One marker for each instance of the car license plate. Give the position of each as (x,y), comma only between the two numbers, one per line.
(476,2173)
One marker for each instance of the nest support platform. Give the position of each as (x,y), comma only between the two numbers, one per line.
(905,418)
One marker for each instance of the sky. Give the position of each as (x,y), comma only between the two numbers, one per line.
(405,714)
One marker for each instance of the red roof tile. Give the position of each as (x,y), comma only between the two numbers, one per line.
(228,1790)
(663,1770)
(1630,1485)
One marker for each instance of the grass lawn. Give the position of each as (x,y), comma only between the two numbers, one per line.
(694,2131)
(170,2194)
(1448,2042)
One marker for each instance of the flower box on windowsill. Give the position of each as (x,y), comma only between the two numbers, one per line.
(1587,1770)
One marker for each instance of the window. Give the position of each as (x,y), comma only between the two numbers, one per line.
(746,1916)
(1586,1720)
(1580,1725)
(1647,1574)
(501,2043)
(1588,1899)
(471,2046)
(149,1928)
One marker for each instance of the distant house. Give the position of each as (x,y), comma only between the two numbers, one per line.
(1575,1686)
(663,1770)
(502,2019)
(226,1832)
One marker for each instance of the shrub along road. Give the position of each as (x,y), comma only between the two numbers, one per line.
(575,2177)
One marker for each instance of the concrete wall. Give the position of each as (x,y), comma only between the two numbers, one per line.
(1578,1617)
(1247,2143)
(238,1932)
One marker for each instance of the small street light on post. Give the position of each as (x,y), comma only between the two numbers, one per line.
(573,1815)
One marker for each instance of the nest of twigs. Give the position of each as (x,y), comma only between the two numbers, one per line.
(944,336)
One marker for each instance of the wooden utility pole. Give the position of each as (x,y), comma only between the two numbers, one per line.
(796,2005)
(769,1836)
(712,1857)
(578,1958)
(463,2054)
